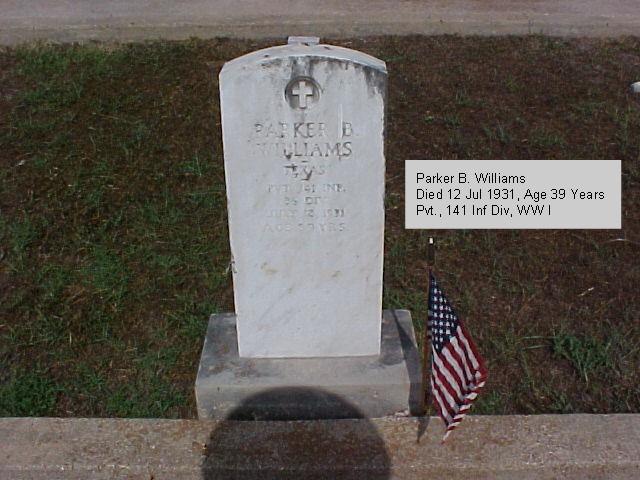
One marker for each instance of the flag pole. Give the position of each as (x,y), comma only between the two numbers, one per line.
(426,344)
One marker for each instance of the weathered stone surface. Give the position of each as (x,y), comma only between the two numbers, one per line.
(484,447)
(229,386)
(303,129)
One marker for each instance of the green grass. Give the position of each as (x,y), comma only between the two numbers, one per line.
(28,394)
(546,139)
(106,275)
(452,120)
(588,356)
(498,133)
(150,395)
(113,229)
(99,266)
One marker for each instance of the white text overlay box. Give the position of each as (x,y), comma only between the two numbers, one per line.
(512,194)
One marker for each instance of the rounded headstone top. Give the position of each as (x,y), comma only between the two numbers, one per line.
(303,47)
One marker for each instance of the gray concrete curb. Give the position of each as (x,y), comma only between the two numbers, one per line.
(136,20)
(496,447)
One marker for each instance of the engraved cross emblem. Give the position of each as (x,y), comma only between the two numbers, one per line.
(302,91)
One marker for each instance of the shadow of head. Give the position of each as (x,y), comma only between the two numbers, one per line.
(245,447)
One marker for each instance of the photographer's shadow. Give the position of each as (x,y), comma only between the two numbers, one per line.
(244,447)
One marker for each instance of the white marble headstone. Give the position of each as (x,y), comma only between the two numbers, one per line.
(303,131)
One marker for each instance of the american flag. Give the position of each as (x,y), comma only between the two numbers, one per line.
(458,371)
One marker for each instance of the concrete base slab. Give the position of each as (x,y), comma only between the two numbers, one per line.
(230,387)
(538,447)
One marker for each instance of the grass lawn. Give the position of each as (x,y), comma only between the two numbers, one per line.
(113,230)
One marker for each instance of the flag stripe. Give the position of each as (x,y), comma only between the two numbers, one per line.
(454,364)
(467,361)
(444,371)
(447,393)
(461,359)
(467,349)
(482,368)
(439,404)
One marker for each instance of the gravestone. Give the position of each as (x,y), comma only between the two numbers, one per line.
(303,145)
(303,134)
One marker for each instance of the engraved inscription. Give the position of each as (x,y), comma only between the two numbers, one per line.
(303,141)
(306,207)
(311,154)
